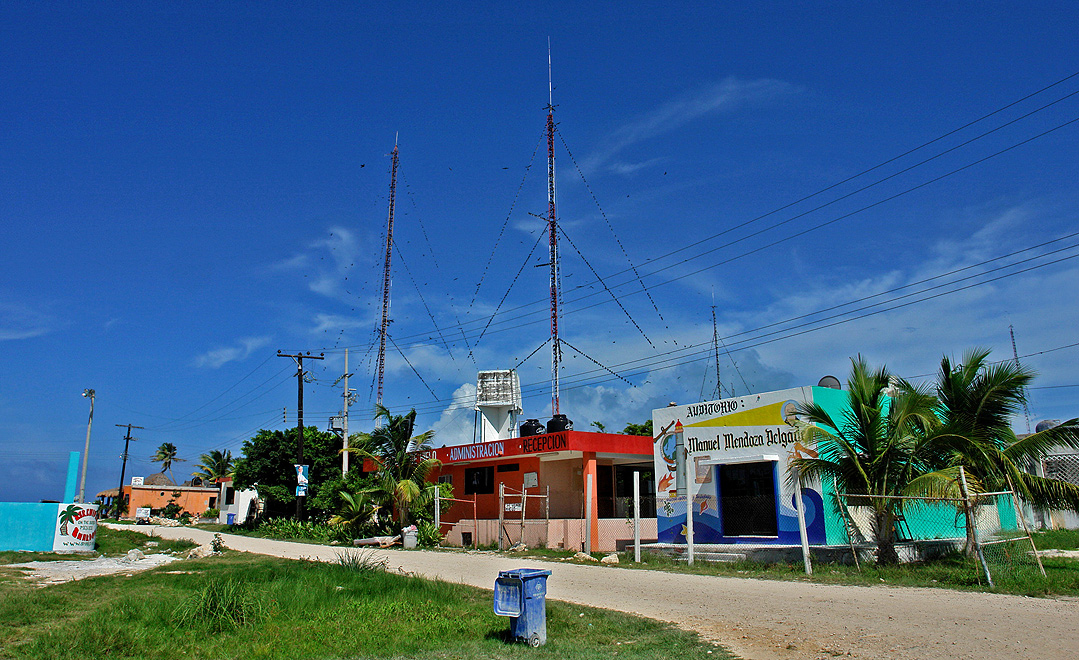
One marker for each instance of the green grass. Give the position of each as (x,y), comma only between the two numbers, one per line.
(301,609)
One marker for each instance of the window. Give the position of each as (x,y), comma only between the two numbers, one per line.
(230,495)
(445,479)
(509,467)
(479,480)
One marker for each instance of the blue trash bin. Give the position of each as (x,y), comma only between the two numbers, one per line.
(230,518)
(521,594)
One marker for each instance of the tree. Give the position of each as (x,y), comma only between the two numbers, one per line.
(267,461)
(214,465)
(881,447)
(639,429)
(403,462)
(166,455)
(978,400)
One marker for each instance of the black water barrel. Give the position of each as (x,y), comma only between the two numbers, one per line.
(559,423)
(531,427)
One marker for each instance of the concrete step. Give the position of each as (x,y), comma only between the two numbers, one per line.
(715,556)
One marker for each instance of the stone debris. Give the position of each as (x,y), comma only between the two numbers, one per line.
(610,559)
(45,573)
(520,547)
(134,555)
(583,556)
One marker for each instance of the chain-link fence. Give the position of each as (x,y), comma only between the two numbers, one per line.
(524,517)
(988,529)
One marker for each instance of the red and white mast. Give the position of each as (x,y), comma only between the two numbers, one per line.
(552,233)
(386,278)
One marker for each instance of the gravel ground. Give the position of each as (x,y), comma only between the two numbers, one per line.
(762,619)
(44,573)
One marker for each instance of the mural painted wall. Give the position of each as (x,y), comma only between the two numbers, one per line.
(48,527)
(730,456)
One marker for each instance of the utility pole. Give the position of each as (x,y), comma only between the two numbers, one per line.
(299,358)
(347,397)
(123,465)
(86,453)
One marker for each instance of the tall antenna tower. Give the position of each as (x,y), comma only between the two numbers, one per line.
(386,278)
(552,233)
(1015,356)
(715,347)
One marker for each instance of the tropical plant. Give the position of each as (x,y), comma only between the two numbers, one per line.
(357,511)
(881,447)
(403,463)
(978,400)
(166,456)
(267,462)
(639,429)
(214,465)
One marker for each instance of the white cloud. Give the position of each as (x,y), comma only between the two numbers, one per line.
(20,322)
(727,95)
(456,424)
(219,356)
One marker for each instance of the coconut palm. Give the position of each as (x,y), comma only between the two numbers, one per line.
(357,509)
(214,465)
(166,455)
(978,400)
(882,446)
(403,462)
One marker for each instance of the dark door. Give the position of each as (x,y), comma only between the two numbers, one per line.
(747,494)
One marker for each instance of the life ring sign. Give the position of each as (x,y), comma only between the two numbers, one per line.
(76,528)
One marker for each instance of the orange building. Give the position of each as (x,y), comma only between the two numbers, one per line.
(156,496)
(553,470)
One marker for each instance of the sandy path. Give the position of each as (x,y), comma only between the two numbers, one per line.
(761,619)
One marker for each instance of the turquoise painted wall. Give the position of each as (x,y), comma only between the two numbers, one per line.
(835,531)
(27,526)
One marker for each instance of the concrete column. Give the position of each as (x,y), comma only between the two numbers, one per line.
(589,468)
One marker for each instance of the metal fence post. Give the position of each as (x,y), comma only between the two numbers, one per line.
(689,509)
(438,508)
(802,522)
(969,507)
(636,516)
(501,512)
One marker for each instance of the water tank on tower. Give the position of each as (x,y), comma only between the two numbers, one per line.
(532,427)
(498,400)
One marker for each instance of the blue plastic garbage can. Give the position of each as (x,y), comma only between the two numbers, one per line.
(230,518)
(521,594)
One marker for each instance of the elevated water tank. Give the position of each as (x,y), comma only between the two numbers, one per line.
(531,427)
(559,423)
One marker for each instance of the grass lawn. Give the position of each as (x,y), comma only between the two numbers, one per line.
(247,606)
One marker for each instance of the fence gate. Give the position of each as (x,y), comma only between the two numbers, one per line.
(523,517)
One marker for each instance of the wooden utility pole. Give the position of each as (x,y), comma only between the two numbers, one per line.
(123,465)
(299,358)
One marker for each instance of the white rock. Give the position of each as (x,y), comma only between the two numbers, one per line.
(199,552)
(134,555)
(584,557)
(610,559)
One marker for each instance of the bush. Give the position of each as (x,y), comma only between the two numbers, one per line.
(429,535)
(306,530)
(361,561)
(171,510)
(211,513)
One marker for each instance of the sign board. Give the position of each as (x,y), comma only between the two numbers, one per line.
(76,528)
(513,506)
(142,512)
(302,473)
(531,479)
(137,481)
(301,490)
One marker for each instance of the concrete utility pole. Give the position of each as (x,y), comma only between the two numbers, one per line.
(86,453)
(299,358)
(123,465)
(347,396)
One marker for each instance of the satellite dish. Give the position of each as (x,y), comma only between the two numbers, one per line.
(831,382)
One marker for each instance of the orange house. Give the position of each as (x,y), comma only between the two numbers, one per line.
(193,499)
(553,470)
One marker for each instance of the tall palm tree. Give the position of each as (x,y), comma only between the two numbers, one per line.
(214,465)
(880,447)
(978,400)
(166,455)
(402,460)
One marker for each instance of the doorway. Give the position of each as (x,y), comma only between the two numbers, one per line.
(747,494)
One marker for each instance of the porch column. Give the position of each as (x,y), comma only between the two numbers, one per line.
(589,468)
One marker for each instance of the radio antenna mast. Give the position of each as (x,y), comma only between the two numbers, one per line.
(386,277)
(552,233)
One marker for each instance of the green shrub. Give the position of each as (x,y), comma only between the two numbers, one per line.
(429,535)
(211,513)
(361,561)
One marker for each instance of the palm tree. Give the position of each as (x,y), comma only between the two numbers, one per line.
(214,465)
(356,510)
(67,516)
(166,455)
(402,459)
(881,447)
(978,399)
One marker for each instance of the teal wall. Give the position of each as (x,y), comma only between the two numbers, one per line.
(835,531)
(27,526)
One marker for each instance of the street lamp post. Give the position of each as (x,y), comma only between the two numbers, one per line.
(86,453)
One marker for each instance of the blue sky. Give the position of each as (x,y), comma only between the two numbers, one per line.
(186,188)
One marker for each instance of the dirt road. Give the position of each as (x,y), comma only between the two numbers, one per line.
(759,619)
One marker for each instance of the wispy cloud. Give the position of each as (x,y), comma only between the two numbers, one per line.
(725,96)
(20,322)
(219,356)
